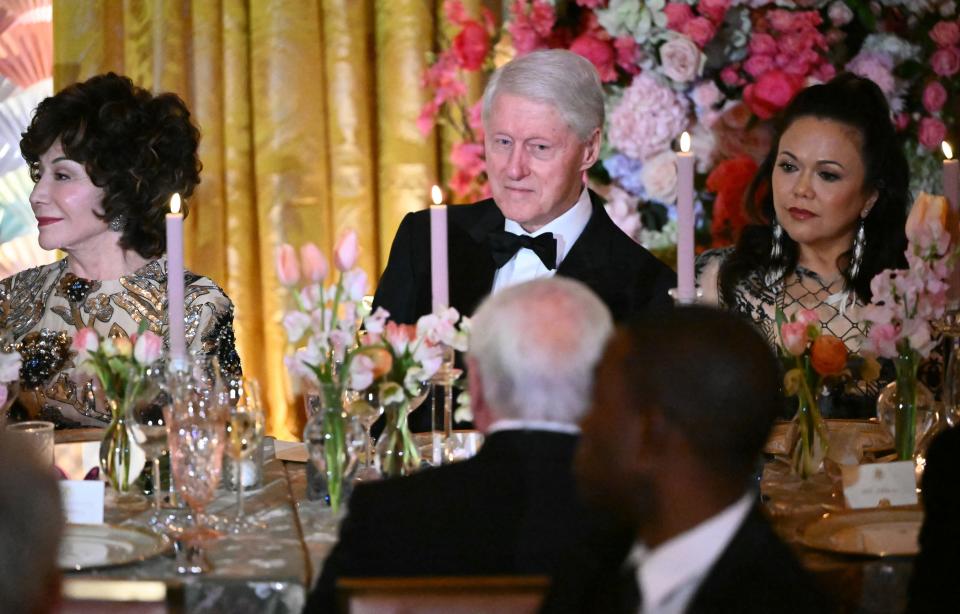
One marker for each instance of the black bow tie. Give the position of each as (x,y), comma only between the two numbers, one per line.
(503,245)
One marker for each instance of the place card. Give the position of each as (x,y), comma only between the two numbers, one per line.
(876,484)
(82,501)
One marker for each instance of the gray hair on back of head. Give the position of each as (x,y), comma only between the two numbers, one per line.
(557,77)
(31,524)
(536,345)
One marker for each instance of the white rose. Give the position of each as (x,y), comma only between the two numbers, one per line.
(681,59)
(659,177)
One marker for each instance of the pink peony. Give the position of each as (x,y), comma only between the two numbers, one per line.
(877,67)
(756,65)
(346,251)
(762,44)
(629,54)
(471,45)
(600,53)
(677,14)
(715,10)
(932,132)
(700,30)
(681,59)
(934,96)
(648,118)
(771,92)
(946,33)
(946,62)
(148,348)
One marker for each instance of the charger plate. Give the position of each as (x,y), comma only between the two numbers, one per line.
(878,532)
(91,546)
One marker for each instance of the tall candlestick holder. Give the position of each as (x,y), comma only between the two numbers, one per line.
(442,385)
(684,300)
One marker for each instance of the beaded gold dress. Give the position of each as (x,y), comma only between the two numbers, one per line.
(42,308)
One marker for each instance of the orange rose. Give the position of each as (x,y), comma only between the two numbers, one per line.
(828,355)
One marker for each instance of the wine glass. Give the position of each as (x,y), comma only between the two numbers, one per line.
(245,424)
(148,428)
(366,408)
(196,427)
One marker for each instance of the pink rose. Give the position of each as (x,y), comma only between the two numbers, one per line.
(946,62)
(314,263)
(700,30)
(288,269)
(771,92)
(901,121)
(677,15)
(763,44)
(730,76)
(932,132)
(706,95)
(946,33)
(659,177)
(934,96)
(599,52)
(471,46)
(793,335)
(346,252)
(756,65)
(148,348)
(715,10)
(681,59)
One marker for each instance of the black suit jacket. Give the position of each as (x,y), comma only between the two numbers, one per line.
(628,278)
(756,573)
(512,509)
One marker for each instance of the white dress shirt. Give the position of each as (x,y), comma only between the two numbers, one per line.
(525,264)
(533,425)
(670,574)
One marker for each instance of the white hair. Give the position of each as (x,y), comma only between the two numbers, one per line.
(536,345)
(558,77)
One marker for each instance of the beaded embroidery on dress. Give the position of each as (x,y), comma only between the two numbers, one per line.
(42,308)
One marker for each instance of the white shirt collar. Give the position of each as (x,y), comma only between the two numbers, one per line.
(533,425)
(670,574)
(566,229)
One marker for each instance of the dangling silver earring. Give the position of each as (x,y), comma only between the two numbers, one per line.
(859,242)
(776,254)
(117,224)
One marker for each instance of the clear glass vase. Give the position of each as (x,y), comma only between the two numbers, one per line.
(812,443)
(331,446)
(117,457)
(907,407)
(396,452)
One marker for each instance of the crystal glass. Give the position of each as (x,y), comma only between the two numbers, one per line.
(196,428)
(365,407)
(148,429)
(245,425)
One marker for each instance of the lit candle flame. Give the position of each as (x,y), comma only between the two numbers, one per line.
(175,203)
(947,150)
(436,195)
(685,142)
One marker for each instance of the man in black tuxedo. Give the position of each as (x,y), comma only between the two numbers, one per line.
(512,509)
(542,117)
(681,408)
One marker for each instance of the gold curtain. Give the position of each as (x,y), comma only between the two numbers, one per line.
(307,110)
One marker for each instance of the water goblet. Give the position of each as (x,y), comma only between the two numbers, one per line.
(148,428)
(245,425)
(366,408)
(196,428)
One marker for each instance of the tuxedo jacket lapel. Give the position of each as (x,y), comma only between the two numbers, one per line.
(471,265)
(583,262)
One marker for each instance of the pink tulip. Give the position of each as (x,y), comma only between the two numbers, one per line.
(807,317)
(86,340)
(314,264)
(346,252)
(794,337)
(148,348)
(288,269)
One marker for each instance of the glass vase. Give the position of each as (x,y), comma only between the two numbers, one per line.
(331,446)
(812,441)
(116,459)
(396,452)
(906,407)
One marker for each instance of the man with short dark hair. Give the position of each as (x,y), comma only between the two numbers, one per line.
(682,406)
(513,508)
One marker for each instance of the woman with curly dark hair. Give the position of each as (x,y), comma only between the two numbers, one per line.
(105,156)
(829,203)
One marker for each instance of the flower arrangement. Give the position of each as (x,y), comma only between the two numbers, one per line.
(121,365)
(907,301)
(719,69)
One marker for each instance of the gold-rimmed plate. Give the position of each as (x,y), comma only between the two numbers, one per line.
(878,532)
(91,546)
